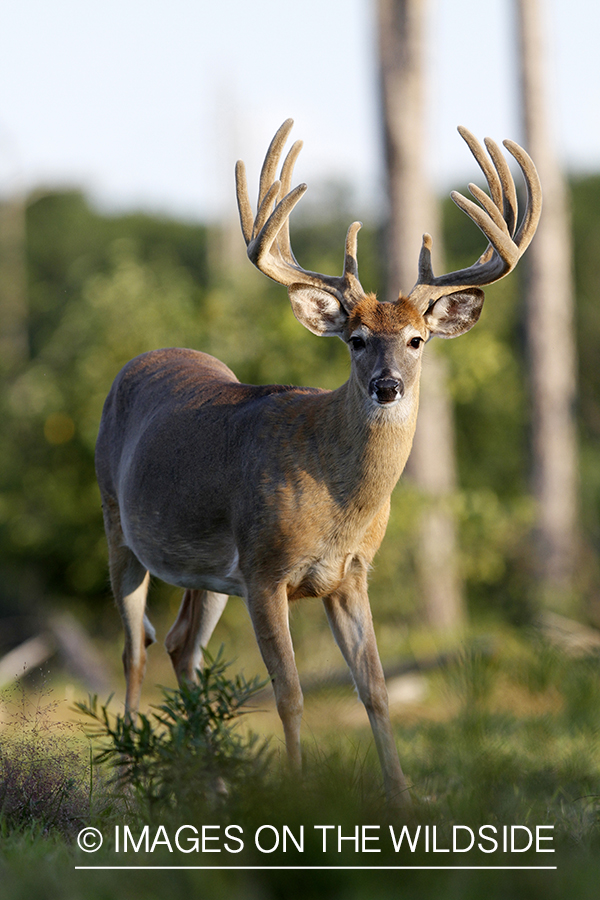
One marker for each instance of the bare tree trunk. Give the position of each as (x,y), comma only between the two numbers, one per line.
(551,341)
(412,211)
(411,208)
(433,468)
(14,343)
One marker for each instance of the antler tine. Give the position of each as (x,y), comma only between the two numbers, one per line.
(243,201)
(491,174)
(267,235)
(533,210)
(490,208)
(496,217)
(266,207)
(269,166)
(351,251)
(509,193)
(497,236)
(263,250)
(287,171)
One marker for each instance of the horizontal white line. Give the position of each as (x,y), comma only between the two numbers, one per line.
(328,868)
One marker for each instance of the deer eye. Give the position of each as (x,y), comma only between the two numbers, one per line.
(357,342)
(416,342)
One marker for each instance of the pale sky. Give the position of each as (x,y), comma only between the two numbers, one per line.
(146,104)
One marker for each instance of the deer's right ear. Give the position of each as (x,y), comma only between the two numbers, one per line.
(318,310)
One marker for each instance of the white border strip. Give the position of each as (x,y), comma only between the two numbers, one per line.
(328,868)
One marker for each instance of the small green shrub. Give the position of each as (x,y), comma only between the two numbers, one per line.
(186,752)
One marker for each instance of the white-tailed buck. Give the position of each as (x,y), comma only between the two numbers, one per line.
(277,493)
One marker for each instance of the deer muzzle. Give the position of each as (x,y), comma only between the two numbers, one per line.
(386,389)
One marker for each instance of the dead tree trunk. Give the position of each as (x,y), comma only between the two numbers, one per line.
(550,334)
(14,343)
(412,211)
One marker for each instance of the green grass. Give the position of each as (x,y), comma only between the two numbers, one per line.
(509,738)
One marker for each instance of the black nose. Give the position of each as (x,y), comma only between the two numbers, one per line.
(386,390)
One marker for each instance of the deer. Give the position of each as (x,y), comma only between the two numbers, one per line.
(276,493)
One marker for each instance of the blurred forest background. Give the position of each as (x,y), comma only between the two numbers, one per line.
(81,292)
(102,289)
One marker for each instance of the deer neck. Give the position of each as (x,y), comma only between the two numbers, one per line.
(363,449)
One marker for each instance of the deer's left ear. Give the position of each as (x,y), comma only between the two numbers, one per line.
(454,314)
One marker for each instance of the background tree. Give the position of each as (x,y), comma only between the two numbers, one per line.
(14,343)
(412,211)
(550,334)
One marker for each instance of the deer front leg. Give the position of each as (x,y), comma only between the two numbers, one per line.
(270,618)
(351,622)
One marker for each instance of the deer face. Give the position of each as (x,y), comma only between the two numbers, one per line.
(386,342)
(385,339)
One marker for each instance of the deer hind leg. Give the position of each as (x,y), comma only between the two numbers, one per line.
(197,618)
(349,616)
(269,614)
(129,581)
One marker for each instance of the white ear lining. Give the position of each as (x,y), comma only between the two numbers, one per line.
(318,310)
(455,314)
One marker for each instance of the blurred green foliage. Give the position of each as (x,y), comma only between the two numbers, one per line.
(105,288)
(100,291)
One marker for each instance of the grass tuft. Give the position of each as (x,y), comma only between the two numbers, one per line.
(44,781)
